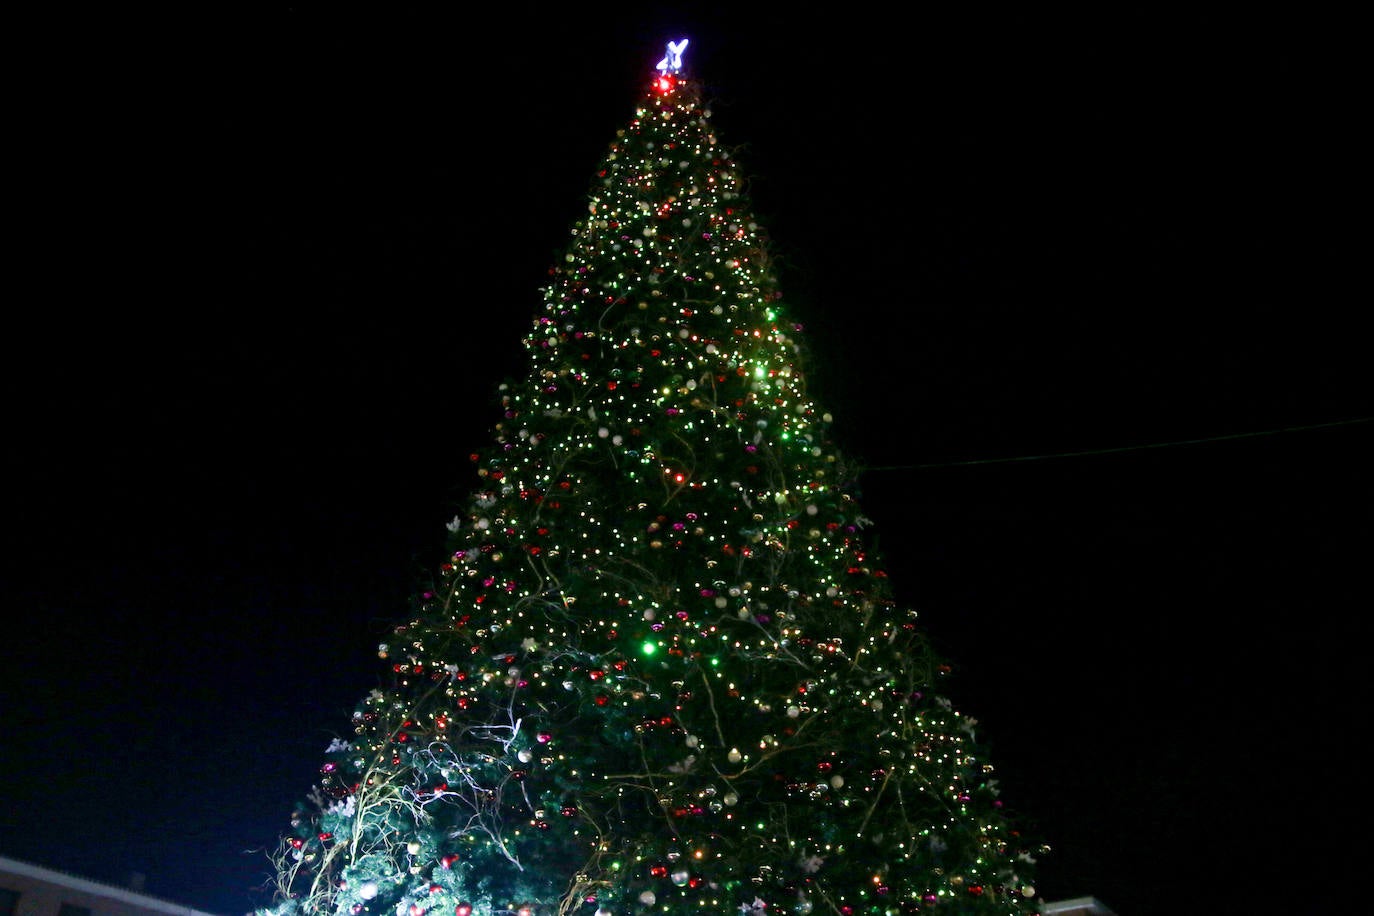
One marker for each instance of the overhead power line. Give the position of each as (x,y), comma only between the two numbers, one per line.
(1118,449)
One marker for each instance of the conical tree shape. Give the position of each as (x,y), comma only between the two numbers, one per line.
(661,673)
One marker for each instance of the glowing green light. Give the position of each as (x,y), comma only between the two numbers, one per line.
(648,648)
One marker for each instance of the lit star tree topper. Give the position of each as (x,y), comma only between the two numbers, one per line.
(672,61)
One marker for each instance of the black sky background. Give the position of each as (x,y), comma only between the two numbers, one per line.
(269,265)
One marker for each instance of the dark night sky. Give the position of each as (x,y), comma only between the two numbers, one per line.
(274,263)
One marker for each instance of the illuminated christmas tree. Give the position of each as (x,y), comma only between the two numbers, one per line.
(660,673)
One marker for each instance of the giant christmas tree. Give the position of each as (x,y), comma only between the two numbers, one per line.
(660,673)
